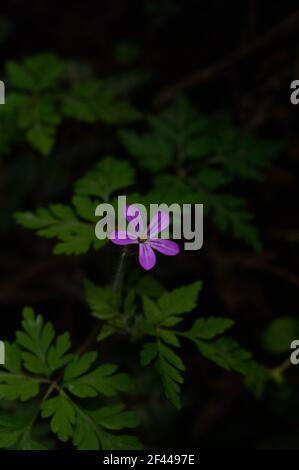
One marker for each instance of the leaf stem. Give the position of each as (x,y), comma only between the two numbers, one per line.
(278,372)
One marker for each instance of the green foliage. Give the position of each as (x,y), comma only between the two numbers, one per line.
(43,95)
(15,430)
(208,328)
(179,301)
(279,334)
(227,353)
(39,72)
(193,158)
(107,305)
(222,151)
(13,383)
(161,317)
(61,221)
(108,176)
(202,156)
(170,367)
(30,373)
(94,101)
(181,156)
(34,104)
(74,226)
(104,303)
(102,380)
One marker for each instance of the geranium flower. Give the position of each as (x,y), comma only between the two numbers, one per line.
(146,239)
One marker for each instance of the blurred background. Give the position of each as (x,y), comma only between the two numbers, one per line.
(236,57)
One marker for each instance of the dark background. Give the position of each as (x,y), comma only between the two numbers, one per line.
(252,49)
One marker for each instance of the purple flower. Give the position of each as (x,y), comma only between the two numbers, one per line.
(146,239)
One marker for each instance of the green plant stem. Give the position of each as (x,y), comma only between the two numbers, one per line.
(118,280)
(278,372)
(38,409)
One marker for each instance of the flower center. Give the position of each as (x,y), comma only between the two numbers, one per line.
(142,239)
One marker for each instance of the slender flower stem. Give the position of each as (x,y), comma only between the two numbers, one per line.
(118,280)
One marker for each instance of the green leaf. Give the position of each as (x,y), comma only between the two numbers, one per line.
(114,417)
(179,301)
(79,365)
(60,221)
(108,176)
(212,179)
(170,366)
(228,354)
(18,76)
(249,158)
(102,380)
(42,137)
(106,331)
(229,212)
(199,148)
(85,207)
(39,119)
(63,416)
(92,430)
(146,285)
(39,72)
(170,139)
(12,357)
(57,356)
(148,353)
(35,107)
(129,305)
(85,435)
(34,350)
(93,101)
(208,328)
(150,150)
(168,188)
(103,302)
(169,337)
(15,384)
(81,101)
(36,338)
(225,352)
(279,334)
(124,442)
(14,430)
(151,311)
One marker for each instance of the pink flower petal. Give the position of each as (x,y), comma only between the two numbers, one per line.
(159,222)
(133,213)
(167,247)
(122,238)
(147,257)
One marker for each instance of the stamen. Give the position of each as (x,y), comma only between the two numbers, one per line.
(142,239)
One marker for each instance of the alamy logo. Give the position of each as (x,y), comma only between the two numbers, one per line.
(2,353)
(2,92)
(295,354)
(294,97)
(134,222)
